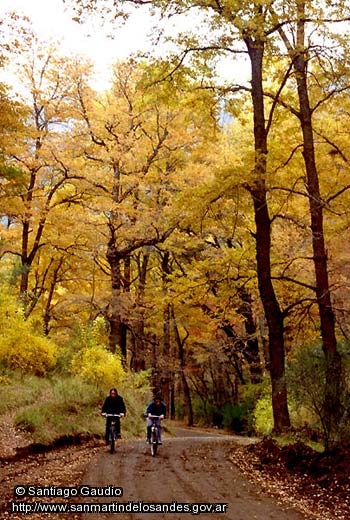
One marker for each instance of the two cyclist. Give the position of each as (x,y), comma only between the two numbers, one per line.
(114,404)
(156,407)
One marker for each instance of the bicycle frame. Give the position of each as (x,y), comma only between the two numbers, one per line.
(155,434)
(112,432)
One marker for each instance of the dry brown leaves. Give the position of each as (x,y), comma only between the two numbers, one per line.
(319,483)
(59,467)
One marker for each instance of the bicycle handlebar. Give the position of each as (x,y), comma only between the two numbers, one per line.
(112,414)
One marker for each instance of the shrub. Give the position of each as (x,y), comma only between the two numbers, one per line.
(66,406)
(263,415)
(202,410)
(50,421)
(98,366)
(28,353)
(22,348)
(306,375)
(78,339)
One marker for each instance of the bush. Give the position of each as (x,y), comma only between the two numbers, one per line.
(50,421)
(21,347)
(236,416)
(64,407)
(263,415)
(28,353)
(80,338)
(74,392)
(98,366)
(202,410)
(87,356)
(306,376)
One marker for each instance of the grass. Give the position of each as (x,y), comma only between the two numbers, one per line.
(52,421)
(17,391)
(54,408)
(288,439)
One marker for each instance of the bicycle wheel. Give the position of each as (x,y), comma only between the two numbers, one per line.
(154,442)
(112,438)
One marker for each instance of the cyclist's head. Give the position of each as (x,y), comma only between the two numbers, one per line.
(157,399)
(113,392)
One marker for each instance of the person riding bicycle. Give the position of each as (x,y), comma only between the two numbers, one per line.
(114,404)
(155,407)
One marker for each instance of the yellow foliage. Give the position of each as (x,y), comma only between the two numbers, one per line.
(29,353)
(20,347)
(98,366)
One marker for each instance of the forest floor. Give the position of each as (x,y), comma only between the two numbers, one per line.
(256,478)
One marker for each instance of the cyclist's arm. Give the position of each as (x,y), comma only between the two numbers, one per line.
(122,407)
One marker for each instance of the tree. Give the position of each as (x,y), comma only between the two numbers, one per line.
(256,24)
(255,44)
(247,23)
(301,55)
(42,176)
(138,136)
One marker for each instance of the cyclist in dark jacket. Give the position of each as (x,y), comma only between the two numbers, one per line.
(114,403)
(155,407)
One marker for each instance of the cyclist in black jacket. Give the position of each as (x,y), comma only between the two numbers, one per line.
(114,403)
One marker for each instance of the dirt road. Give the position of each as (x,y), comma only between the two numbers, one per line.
(190,468)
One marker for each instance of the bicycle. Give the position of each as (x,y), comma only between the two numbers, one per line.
(113,436)
(155,433)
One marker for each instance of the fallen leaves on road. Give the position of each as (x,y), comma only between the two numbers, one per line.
(319,483)
(58,467)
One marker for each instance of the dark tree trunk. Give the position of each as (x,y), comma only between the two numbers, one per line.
(50,295)
(116,332)
(327,320)
(166,352)
(120,283)
(182,362)
(251,351)
(138,361)
(172,401)
(258,191)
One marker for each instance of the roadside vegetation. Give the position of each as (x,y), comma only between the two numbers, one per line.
(61,399)
(66,408)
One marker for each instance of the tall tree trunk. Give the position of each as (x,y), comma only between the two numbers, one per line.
(126,283)
(258,191)
(327,320)
(166,356)
(251,351)
(50,296)
(181,353)
(26,264)
(332,405)
(114,314)
(138,361)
